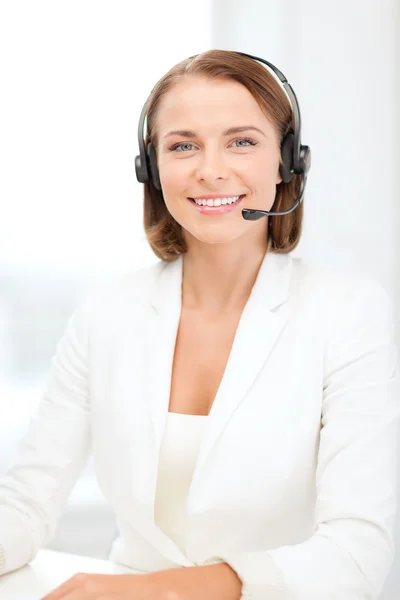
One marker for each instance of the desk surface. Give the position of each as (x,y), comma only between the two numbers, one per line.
(49,570)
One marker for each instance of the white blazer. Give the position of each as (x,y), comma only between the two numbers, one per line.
(295,482)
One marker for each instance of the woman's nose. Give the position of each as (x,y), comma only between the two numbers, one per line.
(212,166)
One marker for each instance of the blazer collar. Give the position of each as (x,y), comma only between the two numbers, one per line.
(262,321)
(270,289)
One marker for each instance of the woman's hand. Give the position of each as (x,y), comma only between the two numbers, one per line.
(214,582)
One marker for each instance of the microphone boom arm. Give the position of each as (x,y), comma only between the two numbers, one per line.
(251,214)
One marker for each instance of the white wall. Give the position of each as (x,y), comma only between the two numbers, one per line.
(74,76)
(342,59)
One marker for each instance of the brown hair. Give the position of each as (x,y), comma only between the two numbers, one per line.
(163,232)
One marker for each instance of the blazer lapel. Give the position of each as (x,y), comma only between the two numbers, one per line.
(158,351)
(163,328)
(257,332)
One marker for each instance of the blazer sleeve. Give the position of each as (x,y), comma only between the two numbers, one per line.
(52,452)
(351,551)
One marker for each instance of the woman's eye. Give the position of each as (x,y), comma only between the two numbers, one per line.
(180,146)
(247,140)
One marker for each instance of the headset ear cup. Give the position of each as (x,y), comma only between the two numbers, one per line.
(141,170)
(305,158)
(152,160)
(287,158)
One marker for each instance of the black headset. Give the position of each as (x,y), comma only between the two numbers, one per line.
(296,158)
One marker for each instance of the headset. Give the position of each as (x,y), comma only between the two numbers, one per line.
(296,158)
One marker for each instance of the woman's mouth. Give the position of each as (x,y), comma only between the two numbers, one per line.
(217,206)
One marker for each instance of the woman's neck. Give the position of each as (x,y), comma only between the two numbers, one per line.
(219,280)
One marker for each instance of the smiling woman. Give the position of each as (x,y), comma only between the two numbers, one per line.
(242,404)
(216,123)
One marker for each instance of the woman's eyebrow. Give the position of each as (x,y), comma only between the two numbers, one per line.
(191,134)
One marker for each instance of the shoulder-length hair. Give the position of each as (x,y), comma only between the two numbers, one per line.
(163,232)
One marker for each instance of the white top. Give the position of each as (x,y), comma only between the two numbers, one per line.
(178,455)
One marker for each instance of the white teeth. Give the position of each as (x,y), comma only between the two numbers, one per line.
(216,201)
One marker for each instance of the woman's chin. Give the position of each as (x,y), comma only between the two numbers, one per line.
(213,237)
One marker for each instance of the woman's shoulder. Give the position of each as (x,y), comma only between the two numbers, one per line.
(335,288)
(114,293)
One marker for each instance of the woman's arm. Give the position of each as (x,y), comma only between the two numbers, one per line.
(350,554)
(51,454)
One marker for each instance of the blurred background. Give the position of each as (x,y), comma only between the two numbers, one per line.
(74,76)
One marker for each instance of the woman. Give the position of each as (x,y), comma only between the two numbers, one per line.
(241,404)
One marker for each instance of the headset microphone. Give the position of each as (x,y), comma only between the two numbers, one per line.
(296,158)
(251,214)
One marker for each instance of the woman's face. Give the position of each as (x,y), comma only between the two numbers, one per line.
(199,157)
